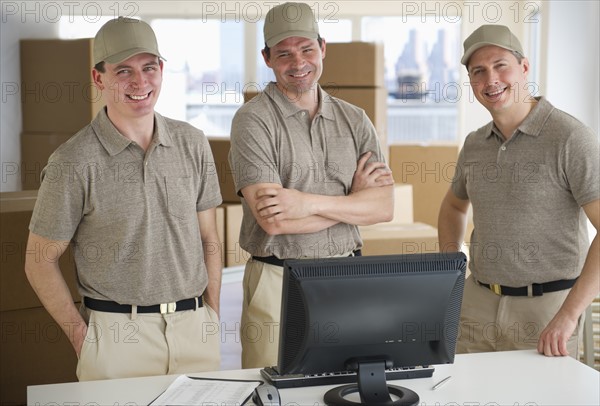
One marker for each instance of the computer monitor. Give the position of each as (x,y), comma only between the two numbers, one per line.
(367,314)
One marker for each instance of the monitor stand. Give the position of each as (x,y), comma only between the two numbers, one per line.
(372,388)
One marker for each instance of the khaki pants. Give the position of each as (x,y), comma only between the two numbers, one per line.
(261,308)
(119,345)
(490,322)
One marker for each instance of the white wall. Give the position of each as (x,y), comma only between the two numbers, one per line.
(573,59)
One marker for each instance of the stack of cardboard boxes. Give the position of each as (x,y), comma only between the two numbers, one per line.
(354,72)
(429,169)
(58,98)
(33,348)
(231,210)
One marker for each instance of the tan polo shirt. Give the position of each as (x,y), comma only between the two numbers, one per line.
(274,141)
(527,194)
(131,216)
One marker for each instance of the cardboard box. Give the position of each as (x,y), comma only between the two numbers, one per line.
(57,93)
(372,100)
(34,351)
(353,64)
(220,149)
(429,169)
(36,148)
(391,238)
(234,254)
(15,290)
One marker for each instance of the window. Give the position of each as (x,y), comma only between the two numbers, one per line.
(204,71)
(421,76)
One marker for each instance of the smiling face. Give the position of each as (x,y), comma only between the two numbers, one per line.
(130,88)
(498,79)
(297,63)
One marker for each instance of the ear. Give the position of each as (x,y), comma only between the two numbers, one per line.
(161,65)
(525,66)
(97,79)
(323,48)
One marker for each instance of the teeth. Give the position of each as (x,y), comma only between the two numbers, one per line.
(497,92)
(134,97)
(301,75)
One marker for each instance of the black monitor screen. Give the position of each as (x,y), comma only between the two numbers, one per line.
(402,309)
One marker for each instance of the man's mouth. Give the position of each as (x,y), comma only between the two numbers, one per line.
(138,97)
(494,93)
(299,75)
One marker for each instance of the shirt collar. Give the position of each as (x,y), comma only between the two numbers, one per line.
(114,142)
(533,123)
(289,109)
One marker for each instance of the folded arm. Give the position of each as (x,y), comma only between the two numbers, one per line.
(279,210)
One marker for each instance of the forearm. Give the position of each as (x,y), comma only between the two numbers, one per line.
(212,292)
(452,223)
(366,207)
(48,283)
(587,286)
(212,257)
(306,225)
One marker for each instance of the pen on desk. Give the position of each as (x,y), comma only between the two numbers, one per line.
(441,383)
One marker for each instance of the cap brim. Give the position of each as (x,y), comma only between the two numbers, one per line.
(121,56)
(278,38)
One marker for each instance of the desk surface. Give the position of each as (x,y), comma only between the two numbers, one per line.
(515,378)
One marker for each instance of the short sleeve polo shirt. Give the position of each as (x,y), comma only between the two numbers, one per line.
(274,141)
(527,194)
(131,215)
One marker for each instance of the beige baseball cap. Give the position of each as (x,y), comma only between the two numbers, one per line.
(490,34)
(289,20)
(123,38)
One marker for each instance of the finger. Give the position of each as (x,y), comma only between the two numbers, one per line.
(562,347)
(266,203)
(376,166)
(269,212)
(265,192)
(554,346)
(363,160)
(384,180)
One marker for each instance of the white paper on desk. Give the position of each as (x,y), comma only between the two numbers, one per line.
(209,392)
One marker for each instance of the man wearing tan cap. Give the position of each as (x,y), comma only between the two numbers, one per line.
(134,194)
(309,169)
(531,176)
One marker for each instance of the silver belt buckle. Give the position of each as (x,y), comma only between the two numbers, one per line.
(168,308)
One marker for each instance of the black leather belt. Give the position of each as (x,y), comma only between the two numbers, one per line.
(536,289)
(273,260)
(164,308)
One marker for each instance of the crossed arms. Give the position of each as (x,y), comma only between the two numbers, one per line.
(279,210)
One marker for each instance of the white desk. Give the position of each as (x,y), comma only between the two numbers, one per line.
(514,378)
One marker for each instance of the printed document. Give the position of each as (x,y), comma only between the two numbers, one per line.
(200,391)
